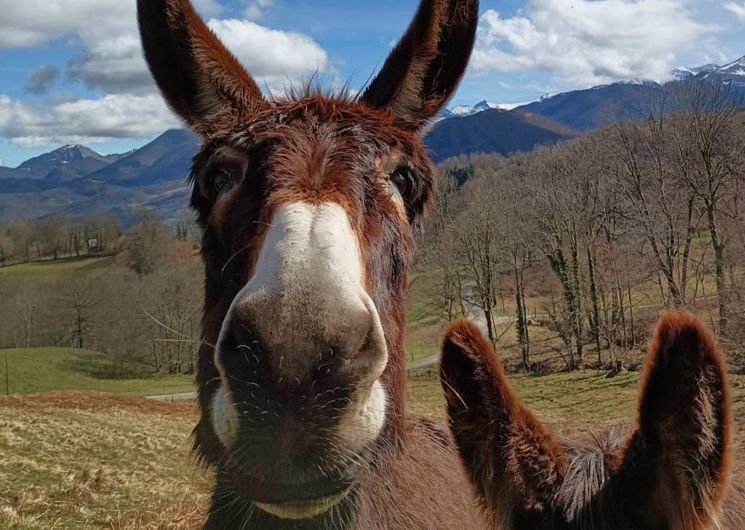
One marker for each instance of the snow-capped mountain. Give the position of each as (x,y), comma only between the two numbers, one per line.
(461,111)
(735,69)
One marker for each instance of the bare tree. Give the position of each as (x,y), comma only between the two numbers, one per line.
(147,242)
(664,212)
(52,234)
(22,233)
(77,300)
(705,136)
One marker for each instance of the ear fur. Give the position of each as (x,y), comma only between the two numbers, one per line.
(671,471)
(516,465)
(199,78)
(685,422)
(426,66)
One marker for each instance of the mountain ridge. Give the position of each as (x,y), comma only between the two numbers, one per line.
(76,180)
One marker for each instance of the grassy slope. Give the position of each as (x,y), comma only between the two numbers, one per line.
(52,271)
(52,369)
(77,460)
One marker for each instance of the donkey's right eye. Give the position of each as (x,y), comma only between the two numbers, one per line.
(222,181)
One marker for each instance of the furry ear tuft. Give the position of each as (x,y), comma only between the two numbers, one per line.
(199,78)
(685,415)
(426,66)
(515,464)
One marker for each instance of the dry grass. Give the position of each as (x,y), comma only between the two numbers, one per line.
(83,460)
(78,460)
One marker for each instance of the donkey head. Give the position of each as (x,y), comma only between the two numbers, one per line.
(670,472)
(307,206)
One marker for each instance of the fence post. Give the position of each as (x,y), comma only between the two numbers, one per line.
(7,376)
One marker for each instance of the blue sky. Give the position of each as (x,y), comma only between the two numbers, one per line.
(71,70)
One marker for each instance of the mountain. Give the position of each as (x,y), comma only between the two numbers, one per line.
(165,159)
(584,110)
(463,111)
(594,107)
(76,180)
(66,163)
(493,131)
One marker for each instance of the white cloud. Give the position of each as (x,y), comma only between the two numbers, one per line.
(32,22)
(84,120)
(255,8)
(113,62)
(587,42)
(113,58)
(737,9)
(273,57)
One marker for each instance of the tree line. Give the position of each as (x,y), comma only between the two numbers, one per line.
(603,231)
(141,307)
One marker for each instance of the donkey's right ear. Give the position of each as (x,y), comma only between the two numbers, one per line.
(199,78)
(678,460)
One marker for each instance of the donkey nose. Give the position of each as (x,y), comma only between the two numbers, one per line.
(305,306)
(299,334)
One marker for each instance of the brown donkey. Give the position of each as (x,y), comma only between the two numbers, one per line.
(669,472)
(307,207)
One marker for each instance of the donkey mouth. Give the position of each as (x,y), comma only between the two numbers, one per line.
(296,510)
(293,497)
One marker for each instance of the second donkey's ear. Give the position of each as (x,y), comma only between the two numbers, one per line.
(199,78)
(515,464)
(426,66)
(674,468)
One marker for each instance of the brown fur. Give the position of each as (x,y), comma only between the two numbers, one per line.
(670,472)
(317,148)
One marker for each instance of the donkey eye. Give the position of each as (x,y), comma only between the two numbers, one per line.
(222,181)
(403,179)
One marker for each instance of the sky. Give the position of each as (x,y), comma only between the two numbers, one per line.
(71,71)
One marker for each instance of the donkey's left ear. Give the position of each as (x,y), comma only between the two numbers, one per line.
(199,78)
(426,66)
(515,464)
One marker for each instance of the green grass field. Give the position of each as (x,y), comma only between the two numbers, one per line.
(36,370)
(52,271)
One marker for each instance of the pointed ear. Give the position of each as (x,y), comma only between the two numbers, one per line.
(426,66)
(515,464)
(675,466)
(199,78)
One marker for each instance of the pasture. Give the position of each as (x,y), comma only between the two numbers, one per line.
(36,370)
(50,271)
(83,460)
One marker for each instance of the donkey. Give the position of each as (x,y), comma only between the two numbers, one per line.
(669,472)
(307,206)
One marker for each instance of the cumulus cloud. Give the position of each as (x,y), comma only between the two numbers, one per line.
(112,62)
(589,41)
(737,9)
(27,23)
(273,57)
(113,59)
(84,120)
(42,79)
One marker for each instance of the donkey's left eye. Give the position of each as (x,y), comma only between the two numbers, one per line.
(403,179)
